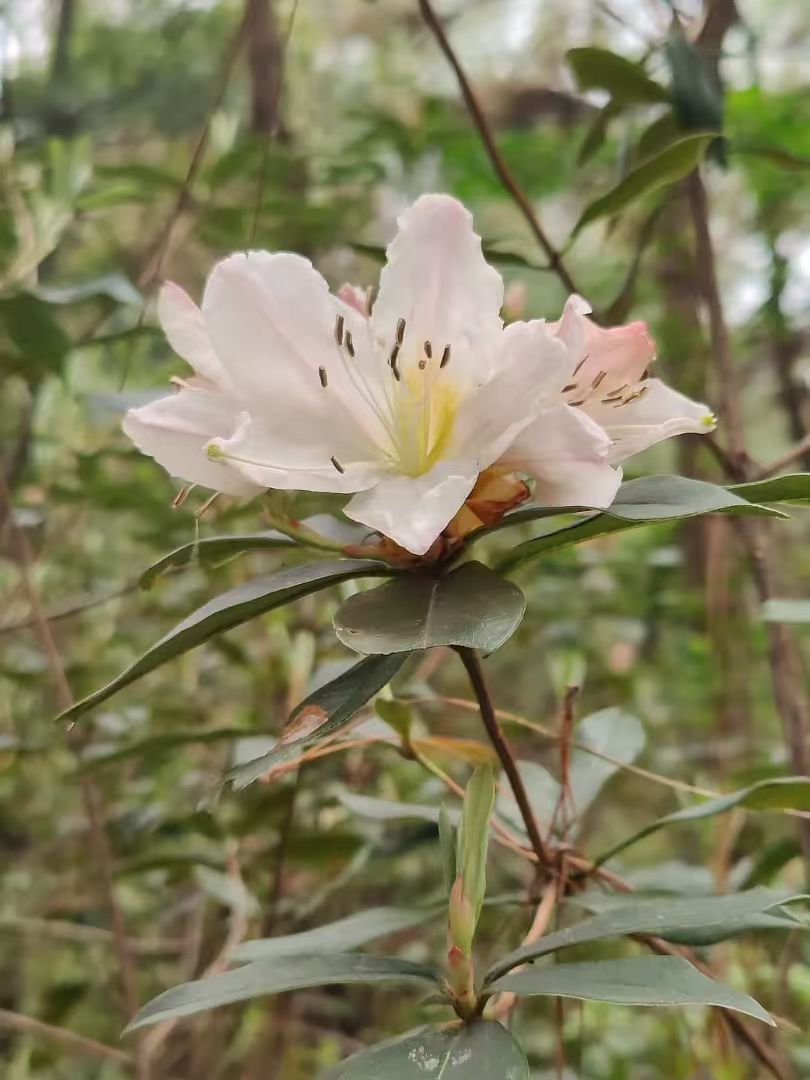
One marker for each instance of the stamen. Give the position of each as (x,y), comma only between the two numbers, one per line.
(600,378)
(392,359)
(579,365)
(337,465)
(445,360)
(371,296)
(349,344)
(571,386)
(207,504)
(323,377)
(181,496)
(395,369)
(422,364)
(428,350)
(339,330)
(400,331)
(574,404)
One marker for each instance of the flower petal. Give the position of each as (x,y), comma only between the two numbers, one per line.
(267,454)
(566,453)
(623,353)
(175,430)
(184,326)
(413,511)
(531,366)
(273,323)
(659,413)
(438,281)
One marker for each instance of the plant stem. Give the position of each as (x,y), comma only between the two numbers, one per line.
(472,664)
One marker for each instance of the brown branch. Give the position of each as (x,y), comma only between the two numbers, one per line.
(783,654)
(502,170)
(472,664)
(798,451)
(76,1044)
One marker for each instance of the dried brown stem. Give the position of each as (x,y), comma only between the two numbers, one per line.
(798,451)
(472,664)
(69,1040)
(502,170)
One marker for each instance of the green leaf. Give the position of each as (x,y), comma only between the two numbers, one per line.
(641,917)
(275,975)
(661,133)
(696,88)
(790,488)
(473,837)
(609,731)
(642,980)
(483,1050)
(626,81)
(340,936)
(670,165)
(471,607)
(447,845)
(115,287)
(786,611)
(389,810)
(39,340)
(782,793)
(323,714)
(231,609)
(543,792)
(212,550)
(160,744)
(638,502)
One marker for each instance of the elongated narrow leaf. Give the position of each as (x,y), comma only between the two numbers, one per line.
(481,1051)
(473,836)
(783,793)
(625,80)
(323,714)
(388,810)
(473,607)
(642,980)
(447,847)
(790,488)
(211,550)
(275,975)
(672,164)
(641,917)
(638,502)
(340,936)
(231,609)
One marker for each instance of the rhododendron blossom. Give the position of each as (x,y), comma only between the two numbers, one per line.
(406,405)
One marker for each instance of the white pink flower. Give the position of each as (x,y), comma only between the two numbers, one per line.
(403,408)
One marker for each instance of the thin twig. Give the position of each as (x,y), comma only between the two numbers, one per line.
(69,1040)
(798,451)
(504,174)
(472,664)
(542,916)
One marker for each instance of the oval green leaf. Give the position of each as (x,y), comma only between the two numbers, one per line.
(483,1050)
(626,81)
(471,607)
(212,550)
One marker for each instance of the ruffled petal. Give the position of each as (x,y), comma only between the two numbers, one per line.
(658,413)
(413,511)
(265,454)
(184,327)
(531,370)
(605,358)
(273,323)
(567,454)
(438,281)
(175,430)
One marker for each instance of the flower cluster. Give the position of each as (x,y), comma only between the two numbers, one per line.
(420,406)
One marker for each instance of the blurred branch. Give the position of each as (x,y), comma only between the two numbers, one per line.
(798,451)
(496,158)
(76,1044)
(91,794)
(784,657)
